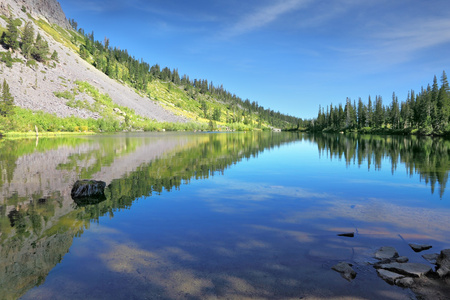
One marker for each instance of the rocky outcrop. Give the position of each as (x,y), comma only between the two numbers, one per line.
(48,9)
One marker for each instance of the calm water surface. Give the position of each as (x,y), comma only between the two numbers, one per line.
(207,216)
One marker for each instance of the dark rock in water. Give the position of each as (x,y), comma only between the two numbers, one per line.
(349,234)
(443,263)
(386,253)
(418,248)
(406,282)
(402,259)
(388,276)
(408,269)
(431,257)
(88,191)
(346,270)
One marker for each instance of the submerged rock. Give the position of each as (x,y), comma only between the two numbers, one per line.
(88,191)
(345,269)
(443,263)
(402,259)
(419,247)
(431,258)
(408,269)
(386,253)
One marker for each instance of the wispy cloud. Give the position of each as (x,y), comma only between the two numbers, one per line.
(393,43)
(262,16)
(417,35)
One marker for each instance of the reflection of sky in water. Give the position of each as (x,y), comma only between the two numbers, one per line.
(266,227)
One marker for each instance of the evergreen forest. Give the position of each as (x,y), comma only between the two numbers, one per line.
(424,113)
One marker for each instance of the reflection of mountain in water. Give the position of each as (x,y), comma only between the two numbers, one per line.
(426,156)
(38,219)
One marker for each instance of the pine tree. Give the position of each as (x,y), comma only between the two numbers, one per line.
(443,101)
(369,115)
(27,40)
(11,38)
(361,114)
(54,56)
(40,49)
(434,109)
(379,112)
(6,101)
(395,112)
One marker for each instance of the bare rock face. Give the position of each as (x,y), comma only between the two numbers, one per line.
(49,9)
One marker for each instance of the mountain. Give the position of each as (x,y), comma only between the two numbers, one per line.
(102,88)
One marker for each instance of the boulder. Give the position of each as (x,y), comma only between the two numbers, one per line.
(419,247)
(346,270)
(443,263)
(408,269)
(88,191)
(386,253)
(388,276)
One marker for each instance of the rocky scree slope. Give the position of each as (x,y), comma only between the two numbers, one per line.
(34,88)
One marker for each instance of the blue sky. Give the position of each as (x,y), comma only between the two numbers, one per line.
(289,55)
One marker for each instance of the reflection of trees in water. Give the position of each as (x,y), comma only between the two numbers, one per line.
(199,162)
(428,157)
(34,238)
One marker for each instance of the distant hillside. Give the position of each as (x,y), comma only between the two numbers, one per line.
(101,88)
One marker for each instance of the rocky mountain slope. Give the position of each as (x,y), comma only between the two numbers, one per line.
(35,87)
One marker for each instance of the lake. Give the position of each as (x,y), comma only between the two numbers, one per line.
(217,215)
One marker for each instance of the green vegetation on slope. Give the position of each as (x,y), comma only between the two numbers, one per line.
(197,99)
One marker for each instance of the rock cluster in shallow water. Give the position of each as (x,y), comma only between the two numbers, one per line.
(397,270)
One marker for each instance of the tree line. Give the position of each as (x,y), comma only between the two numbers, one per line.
(426,112)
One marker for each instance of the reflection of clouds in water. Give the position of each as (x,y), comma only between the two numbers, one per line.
(387,183)
(174,279)
(378,217)
(383,218)
(300,236)
(244,196)
(262,191)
